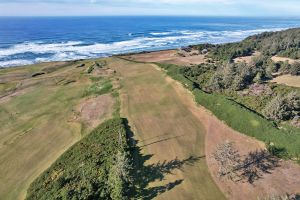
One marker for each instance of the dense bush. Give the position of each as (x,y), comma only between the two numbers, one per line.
(90,169)
(295,69)
(283,107)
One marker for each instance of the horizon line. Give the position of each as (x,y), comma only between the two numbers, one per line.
(215,16)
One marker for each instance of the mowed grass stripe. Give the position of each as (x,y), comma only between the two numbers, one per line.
(166,131)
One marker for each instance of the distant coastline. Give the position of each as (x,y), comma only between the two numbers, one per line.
(25,41)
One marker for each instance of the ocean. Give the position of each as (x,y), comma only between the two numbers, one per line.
(28,40)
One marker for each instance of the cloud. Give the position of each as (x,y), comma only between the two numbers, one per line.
(151,7)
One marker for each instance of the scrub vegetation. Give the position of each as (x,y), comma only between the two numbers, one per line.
(97,167)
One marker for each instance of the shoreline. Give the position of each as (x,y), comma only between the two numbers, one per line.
(88,59)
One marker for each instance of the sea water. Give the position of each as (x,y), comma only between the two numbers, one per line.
(28,40)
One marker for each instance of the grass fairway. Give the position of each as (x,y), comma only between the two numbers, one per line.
(170,137)
(37,121)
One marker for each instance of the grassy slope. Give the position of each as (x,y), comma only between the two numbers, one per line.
(287,140)
(167,133)
(36,125)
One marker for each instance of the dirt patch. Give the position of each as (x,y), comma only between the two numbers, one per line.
(282,180)
(289,80)
(283,59)
(247,59)
(95,110)
(168,56)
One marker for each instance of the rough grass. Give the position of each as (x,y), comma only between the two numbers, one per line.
(37,125)
(286,139)
(102,86)
(169,160)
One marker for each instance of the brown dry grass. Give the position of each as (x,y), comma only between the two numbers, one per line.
(95,110)
(281,180)
(288,80)
(283,59)
(168,56)
(166,129)
(247,59)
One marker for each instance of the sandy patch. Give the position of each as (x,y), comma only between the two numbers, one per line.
(247,59)
(95,110)
(168,56)
(284,179)
(287,79)
(282,59)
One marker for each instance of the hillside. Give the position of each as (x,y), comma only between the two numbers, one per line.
(203,122)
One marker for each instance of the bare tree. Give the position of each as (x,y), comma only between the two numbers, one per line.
(249,169)
(229,160)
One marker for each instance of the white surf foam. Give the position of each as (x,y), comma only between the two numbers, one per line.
(78,50)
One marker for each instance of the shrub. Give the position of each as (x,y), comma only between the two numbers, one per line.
(83,171)
(295,69)
(283,107)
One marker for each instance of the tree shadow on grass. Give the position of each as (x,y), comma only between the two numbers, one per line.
(143,174)
(256,164)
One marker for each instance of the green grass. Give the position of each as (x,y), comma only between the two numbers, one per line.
(38,124)
(98,87)
(117,106)
(5,87)
(82,171)
(287,139)
(90,69)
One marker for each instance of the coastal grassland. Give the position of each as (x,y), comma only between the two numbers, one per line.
(82,172)
(38,120)
(286,140)
(170,160)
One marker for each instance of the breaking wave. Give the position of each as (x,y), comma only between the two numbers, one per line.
(34,52)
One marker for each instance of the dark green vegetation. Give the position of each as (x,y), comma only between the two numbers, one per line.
(246,82)
(284,142)
(93,168)
(283,43)
(98,64)
(100,86)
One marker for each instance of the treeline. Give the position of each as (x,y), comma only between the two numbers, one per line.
(283,43)
(232,79)
(94,168)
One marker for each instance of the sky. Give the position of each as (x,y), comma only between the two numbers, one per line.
(268,8)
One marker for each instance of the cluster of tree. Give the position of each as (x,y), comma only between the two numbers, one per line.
(287,68)
(234,76)
(238,76)
(283,107)
(283,43)
(199,74)
(94,168)
(249,169)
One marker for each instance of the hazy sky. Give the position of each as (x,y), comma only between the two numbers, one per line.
(283,8)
